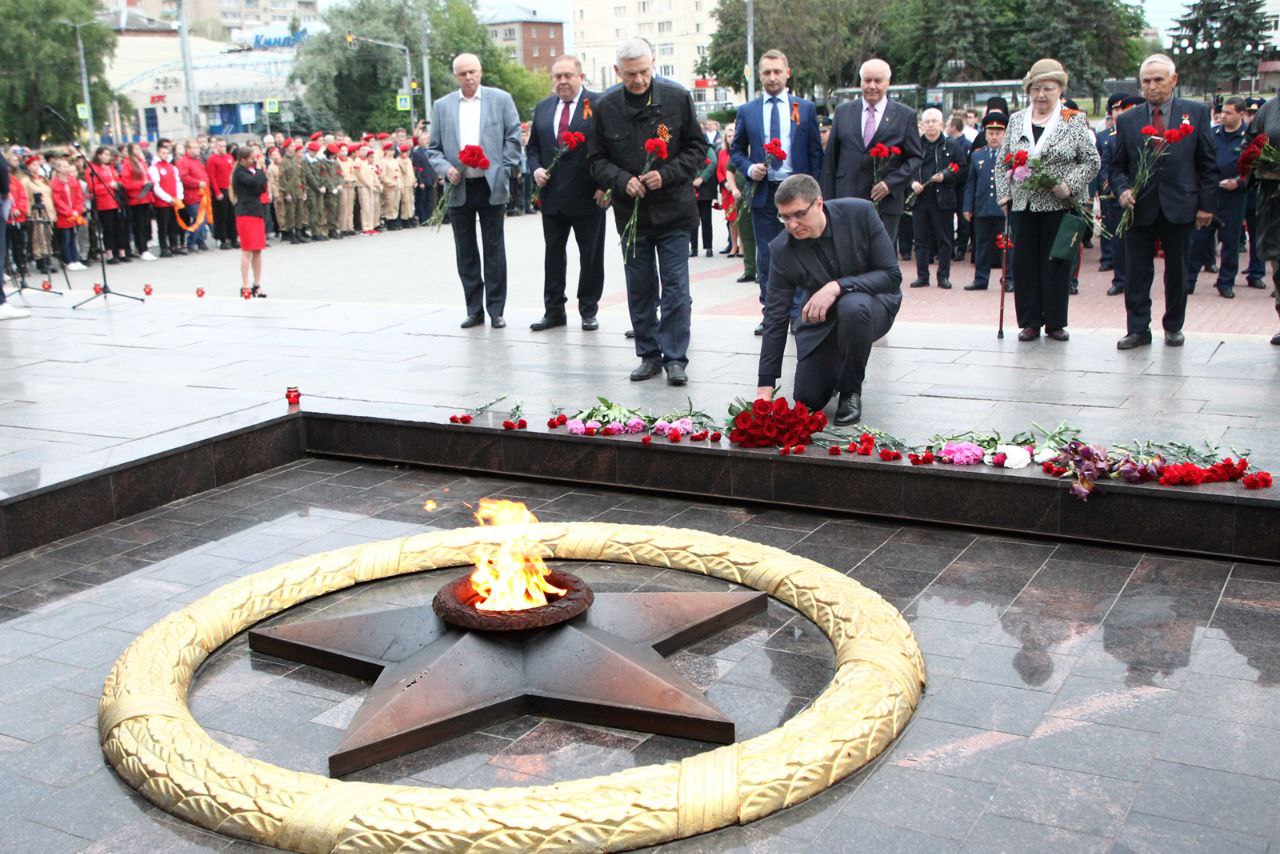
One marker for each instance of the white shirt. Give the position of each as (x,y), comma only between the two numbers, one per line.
(877,118)
(970,133)
(777,173)
(560,108)
(469,127)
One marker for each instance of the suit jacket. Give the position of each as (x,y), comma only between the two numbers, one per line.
(980,187)
(499,136)
(1185,179)
(868,264)
(571,190)
(846,168)
(805,154)
(422,171)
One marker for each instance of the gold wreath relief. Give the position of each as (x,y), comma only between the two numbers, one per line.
(151,739)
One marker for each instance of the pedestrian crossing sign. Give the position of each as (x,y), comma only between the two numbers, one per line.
(402,103)
(82,110)
(272,105)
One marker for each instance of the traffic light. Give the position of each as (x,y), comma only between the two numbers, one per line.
(351,39)
(413,84)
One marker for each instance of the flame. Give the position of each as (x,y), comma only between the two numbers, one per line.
(430,506)
(509,575)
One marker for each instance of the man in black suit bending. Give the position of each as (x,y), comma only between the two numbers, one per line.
(1181,194)
(838,253)
(569,197)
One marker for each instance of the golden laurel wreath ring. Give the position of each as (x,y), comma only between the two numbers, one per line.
(151,739)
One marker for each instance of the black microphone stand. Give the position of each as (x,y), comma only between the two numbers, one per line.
(39,219)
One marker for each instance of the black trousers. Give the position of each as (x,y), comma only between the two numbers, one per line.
(1140,259)
(704,216)
(167,231)
(140,226)
(964,234)
(482,287)
(905,234)
(985,252)
(424,202)
(1039,282)
(224,219)
(1113,247)
(839,363)
(588,232)
(932,230)
(115,230)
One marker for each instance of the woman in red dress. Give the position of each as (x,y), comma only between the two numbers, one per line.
(249,189)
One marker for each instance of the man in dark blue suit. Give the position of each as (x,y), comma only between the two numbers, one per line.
(794,122)
(981,208)
(569,197)
(1179,196)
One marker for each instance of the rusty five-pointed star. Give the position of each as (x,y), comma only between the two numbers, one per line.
(433,682)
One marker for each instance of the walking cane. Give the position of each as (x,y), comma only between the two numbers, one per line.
(1004,244)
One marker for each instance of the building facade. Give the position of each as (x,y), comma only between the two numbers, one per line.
(531,41)
(236,16)
(679,30)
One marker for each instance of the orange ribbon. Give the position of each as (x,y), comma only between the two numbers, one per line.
(203,214)
(795,112)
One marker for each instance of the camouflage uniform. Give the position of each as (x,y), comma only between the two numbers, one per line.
(313,171)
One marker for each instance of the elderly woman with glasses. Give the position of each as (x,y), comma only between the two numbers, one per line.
(1043,171)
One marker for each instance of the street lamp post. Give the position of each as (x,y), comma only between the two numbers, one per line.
(188,73)
(751,50)
(84,77)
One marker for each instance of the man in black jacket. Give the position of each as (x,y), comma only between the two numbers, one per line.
(943,168)
(858,127)
(839,256)
(424,180)
(628,116)
(569,197)
(1180,195)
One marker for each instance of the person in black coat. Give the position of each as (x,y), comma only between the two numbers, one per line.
(856,128)
(1179,196)
(943,169)
(569,197)
(249,192)
(644,108)
(424,180)
(837,256)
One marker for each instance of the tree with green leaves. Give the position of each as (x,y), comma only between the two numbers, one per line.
(357,85)
(39,66)
(1218,40)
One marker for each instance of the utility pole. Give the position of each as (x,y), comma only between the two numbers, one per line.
(188,73)
(84,78)
(426,69)
(751,50)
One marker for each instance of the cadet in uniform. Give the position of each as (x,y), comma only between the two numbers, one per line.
(332,189)
(276,189)
(407,182)
(390,186)
(347,198)
(295,185)
(370,190)
(313,174)
(980,206)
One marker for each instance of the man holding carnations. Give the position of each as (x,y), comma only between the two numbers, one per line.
(943,169)
(644,146)
(1166,140)
(480,116)
(778,123)
(1266,122)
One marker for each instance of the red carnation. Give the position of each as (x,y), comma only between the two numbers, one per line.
(834,450)
(521,424)
(562,419)
(657,147)
(1020,158)
(715,437)
(1150,130)
(879,151)
(474,157)
(894,150)
(1173,135)
(465,418)
(508,424)
(552,423)
(645,440)
(954,167)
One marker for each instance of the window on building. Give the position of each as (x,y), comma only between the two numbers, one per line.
(702,50)
(667,70)
(697,6)
(699,96)
(697,28)
(645,28)
(493,33)
(619,33)
(646,6)
(537,51)
(664,26)
(619,11)
(509,33)
(666,49)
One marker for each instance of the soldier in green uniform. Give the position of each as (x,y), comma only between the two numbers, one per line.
(332,189)
(295,187)
(313,170)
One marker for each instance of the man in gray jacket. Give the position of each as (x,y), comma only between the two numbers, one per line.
(483,116)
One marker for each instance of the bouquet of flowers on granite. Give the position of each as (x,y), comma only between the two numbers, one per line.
(1165,463)
(774,156)
(698,426)
(654,149)
(605,418)
(775,423)
(1154,146)
(472,157)
(569,140)
(880,155)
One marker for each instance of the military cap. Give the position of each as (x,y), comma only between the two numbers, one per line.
(1254,103)
(1115,100)
(316,135)
(313,146)
(1132,101)
(995,119)
(332,148)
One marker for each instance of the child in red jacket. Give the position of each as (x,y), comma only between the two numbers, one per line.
(68,205)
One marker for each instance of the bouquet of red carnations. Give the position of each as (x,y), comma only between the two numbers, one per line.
(774,156)
(654,149)
(880,155)
(569,140)
(1154,146)
(471,156)
(773,423)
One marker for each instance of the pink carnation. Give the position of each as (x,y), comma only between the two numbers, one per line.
(962,453)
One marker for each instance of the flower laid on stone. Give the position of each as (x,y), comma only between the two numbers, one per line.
(962,453)
(466,417)
(776,423)
(515,419)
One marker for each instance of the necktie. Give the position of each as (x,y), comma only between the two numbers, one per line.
(775,123)
(869,129)
(564,118)
(1157,119)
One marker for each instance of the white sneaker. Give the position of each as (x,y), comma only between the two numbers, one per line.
(76,266)
(8,311)
(147,256)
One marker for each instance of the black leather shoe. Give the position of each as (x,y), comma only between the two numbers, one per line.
(1134,339)
(747,277)
(1211,268)
(724,251)
(1105,266)
(693,253)
(646,371)
(676,374)
(548,322)
(1073,290)
(1028,333)
(473,320)
(1191,289)
(1114,291)
(905,256)
(498,323)
(590,324)
(976,286)
(848,409)
(1058,334)
(945,284)
(1255,283)
(1227,292)
(1008,287)
(919,283)
(1174,339)
(760,328)
(630,333)
(1275,339)
(710,254)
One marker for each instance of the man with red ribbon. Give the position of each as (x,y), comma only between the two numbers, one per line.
(568,195)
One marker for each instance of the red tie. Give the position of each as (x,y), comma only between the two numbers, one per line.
(1157,120)
(564,118)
